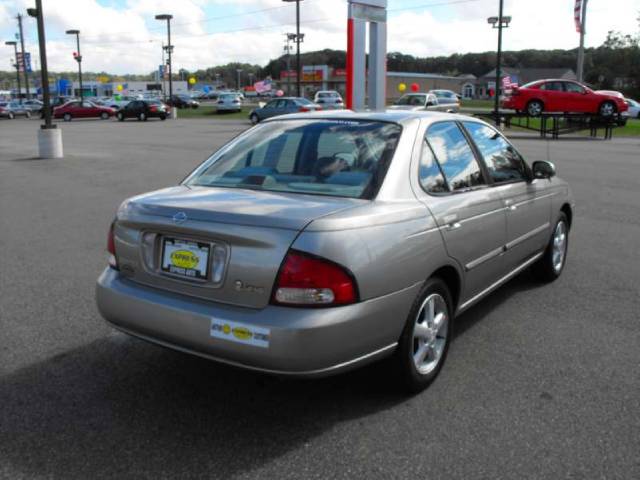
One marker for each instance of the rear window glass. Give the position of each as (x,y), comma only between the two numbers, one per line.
(456,159)
(325,157)
(412,100)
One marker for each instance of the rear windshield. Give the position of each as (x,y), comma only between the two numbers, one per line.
(323,157)
(327,94)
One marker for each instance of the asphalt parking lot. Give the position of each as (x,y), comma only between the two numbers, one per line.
(542,381)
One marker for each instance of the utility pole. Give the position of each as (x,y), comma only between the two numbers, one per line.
(583,21)
(299,39)
(24,58)
(164,84)
(15,49)
(287,49)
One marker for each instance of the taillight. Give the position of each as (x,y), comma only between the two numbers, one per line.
(303,109)
(307,281)
(153,108)
(111,248)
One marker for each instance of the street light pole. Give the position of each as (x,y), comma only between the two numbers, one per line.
(78,58)
(238,71)
(24,59)
(15,49)
(298,40)
(169,48)
(49,137)
(499,22)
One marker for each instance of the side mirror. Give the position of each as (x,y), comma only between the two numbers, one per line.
(543,169)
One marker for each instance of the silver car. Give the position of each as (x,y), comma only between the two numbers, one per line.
(416,102)
(450,101)
(229,102)
(328,99)
(315,243)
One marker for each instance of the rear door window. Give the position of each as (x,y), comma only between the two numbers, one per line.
(455,156)
(503,162)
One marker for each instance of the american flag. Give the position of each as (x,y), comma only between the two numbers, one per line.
(263,86)
(577,15)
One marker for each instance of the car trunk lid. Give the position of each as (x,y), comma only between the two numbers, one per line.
(246,234)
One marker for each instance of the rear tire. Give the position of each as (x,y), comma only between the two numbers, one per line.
(27,115)
(254,119)
(120,117)
(104,116)
(535,108)
(163,117)
(551,264)
(424,343)
(67,117)
(11,116)
(142,116)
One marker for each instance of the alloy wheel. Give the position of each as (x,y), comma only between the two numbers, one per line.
(559,248)
(430,333)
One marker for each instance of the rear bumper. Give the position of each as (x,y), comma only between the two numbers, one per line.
(301,342)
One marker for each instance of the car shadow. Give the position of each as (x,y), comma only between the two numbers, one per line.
(523,282)
(164,414)
(120,407)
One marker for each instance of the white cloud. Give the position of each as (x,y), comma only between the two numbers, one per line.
(128,40)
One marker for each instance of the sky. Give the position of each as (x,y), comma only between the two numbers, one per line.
(122,36)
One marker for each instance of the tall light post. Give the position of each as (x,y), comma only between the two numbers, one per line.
(168,47)
(298,39)
(498,22)
(15,49)
(49,137)
(24,59)
(78,58)
(238,71)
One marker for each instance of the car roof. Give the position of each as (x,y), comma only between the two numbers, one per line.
(395,116)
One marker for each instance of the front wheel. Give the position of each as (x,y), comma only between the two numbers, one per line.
(551,264)
(11,116)
(67,117)
(607,109)
(120,116)
(535,108)
(254,118)
(27,114)
(424,343)
(163,117)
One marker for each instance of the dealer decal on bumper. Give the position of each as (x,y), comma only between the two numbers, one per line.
(240,333)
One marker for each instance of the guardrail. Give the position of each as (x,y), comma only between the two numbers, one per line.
(557,123)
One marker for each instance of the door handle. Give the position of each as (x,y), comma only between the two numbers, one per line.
(454,226)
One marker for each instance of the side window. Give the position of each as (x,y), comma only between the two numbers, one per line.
(453,153)
(429,172)
(552,86)
(503,161)
(271,104)
(573,87)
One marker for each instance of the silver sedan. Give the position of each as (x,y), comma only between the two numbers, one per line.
(316,243)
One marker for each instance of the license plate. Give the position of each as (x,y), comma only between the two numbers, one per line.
(185,258)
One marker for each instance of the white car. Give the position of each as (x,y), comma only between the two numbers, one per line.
(634,108)
(328,99)
(119,102)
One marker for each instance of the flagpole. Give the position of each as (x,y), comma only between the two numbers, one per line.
(583,21)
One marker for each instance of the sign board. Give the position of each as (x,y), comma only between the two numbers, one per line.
(22,63)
